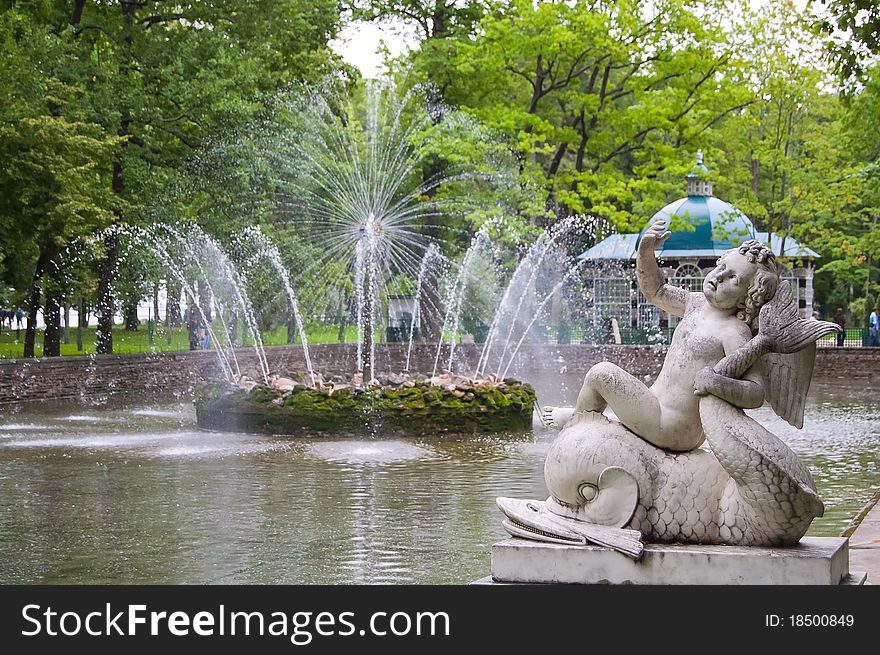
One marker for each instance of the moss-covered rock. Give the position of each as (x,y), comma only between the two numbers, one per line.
(419,409)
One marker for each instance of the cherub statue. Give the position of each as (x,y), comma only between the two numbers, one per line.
(614,483)
(715,323)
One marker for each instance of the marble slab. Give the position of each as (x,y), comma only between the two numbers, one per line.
(814,561)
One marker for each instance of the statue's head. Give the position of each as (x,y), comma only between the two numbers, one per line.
(744,279)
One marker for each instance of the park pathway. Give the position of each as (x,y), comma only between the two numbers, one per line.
(864,541)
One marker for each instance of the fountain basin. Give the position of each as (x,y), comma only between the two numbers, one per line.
(419,409)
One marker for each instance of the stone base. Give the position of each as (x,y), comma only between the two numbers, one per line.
(814,561)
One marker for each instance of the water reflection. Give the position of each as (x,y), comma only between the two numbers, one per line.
(128,492)
(367,452)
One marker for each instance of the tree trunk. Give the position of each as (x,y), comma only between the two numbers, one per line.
(107,270)
(205,300)
(340,312)
(291,330)
(33,305)
(76,15)
(106,302)
(30,331)
(173,317)
(67,322)
(233,327)
(131,316)
(82,320)
(52,335)
(156,304)
(168,335)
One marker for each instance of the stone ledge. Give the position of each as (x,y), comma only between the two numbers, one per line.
(814,561)
(55,377)
(855,579)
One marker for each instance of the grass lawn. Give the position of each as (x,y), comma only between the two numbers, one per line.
(12,343)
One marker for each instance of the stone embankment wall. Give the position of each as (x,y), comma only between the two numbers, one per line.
(64,377)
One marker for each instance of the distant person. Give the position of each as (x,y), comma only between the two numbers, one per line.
(192,328)
(840,319)
(608,336)
(205,337)
(19,317)
(873,329)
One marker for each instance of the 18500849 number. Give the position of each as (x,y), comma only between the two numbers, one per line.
(821,620)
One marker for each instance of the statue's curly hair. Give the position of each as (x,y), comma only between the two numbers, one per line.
(763,287)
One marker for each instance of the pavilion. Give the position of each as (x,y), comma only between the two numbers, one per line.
(686,257)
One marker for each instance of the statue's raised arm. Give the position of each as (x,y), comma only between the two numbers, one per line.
(670,299)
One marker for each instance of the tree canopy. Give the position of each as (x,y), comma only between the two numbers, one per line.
(154,112)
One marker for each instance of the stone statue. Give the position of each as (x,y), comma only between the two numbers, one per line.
(740,342)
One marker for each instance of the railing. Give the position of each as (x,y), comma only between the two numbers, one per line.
(564,334)
(853,338)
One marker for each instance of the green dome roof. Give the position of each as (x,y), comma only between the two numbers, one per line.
(717,225)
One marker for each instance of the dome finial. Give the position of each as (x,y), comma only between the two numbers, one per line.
(697,180)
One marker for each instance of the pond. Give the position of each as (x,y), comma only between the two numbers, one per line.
(126,489)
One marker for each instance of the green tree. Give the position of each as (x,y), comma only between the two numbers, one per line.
(851,32)
(856,231)
(597,98)
(780,153)
(164,76)
(799,161)
(54,185)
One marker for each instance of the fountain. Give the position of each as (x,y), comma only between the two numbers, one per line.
(456,396)
(352,183)
(459,398)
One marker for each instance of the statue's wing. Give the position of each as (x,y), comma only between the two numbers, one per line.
(788,381)
(780,321)
(789,365)
(780,311)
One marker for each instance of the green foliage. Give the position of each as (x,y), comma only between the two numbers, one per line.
(54,184)
(133,112)
(861,308)
(108,100)
(851,32)
(595,99)
(434,19)
(781,152)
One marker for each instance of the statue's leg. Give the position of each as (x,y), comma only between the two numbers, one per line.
(598,385)
(556,417)
(607,384)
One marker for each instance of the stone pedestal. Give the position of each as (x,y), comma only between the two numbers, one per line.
(814,561)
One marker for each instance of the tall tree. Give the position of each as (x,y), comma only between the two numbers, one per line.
(596,98)
(798,160)
(54,183)
(163,76)
(780,152)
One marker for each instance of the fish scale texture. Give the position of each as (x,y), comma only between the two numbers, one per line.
(751,489)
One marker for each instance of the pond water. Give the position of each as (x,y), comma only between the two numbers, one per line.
(128,490)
